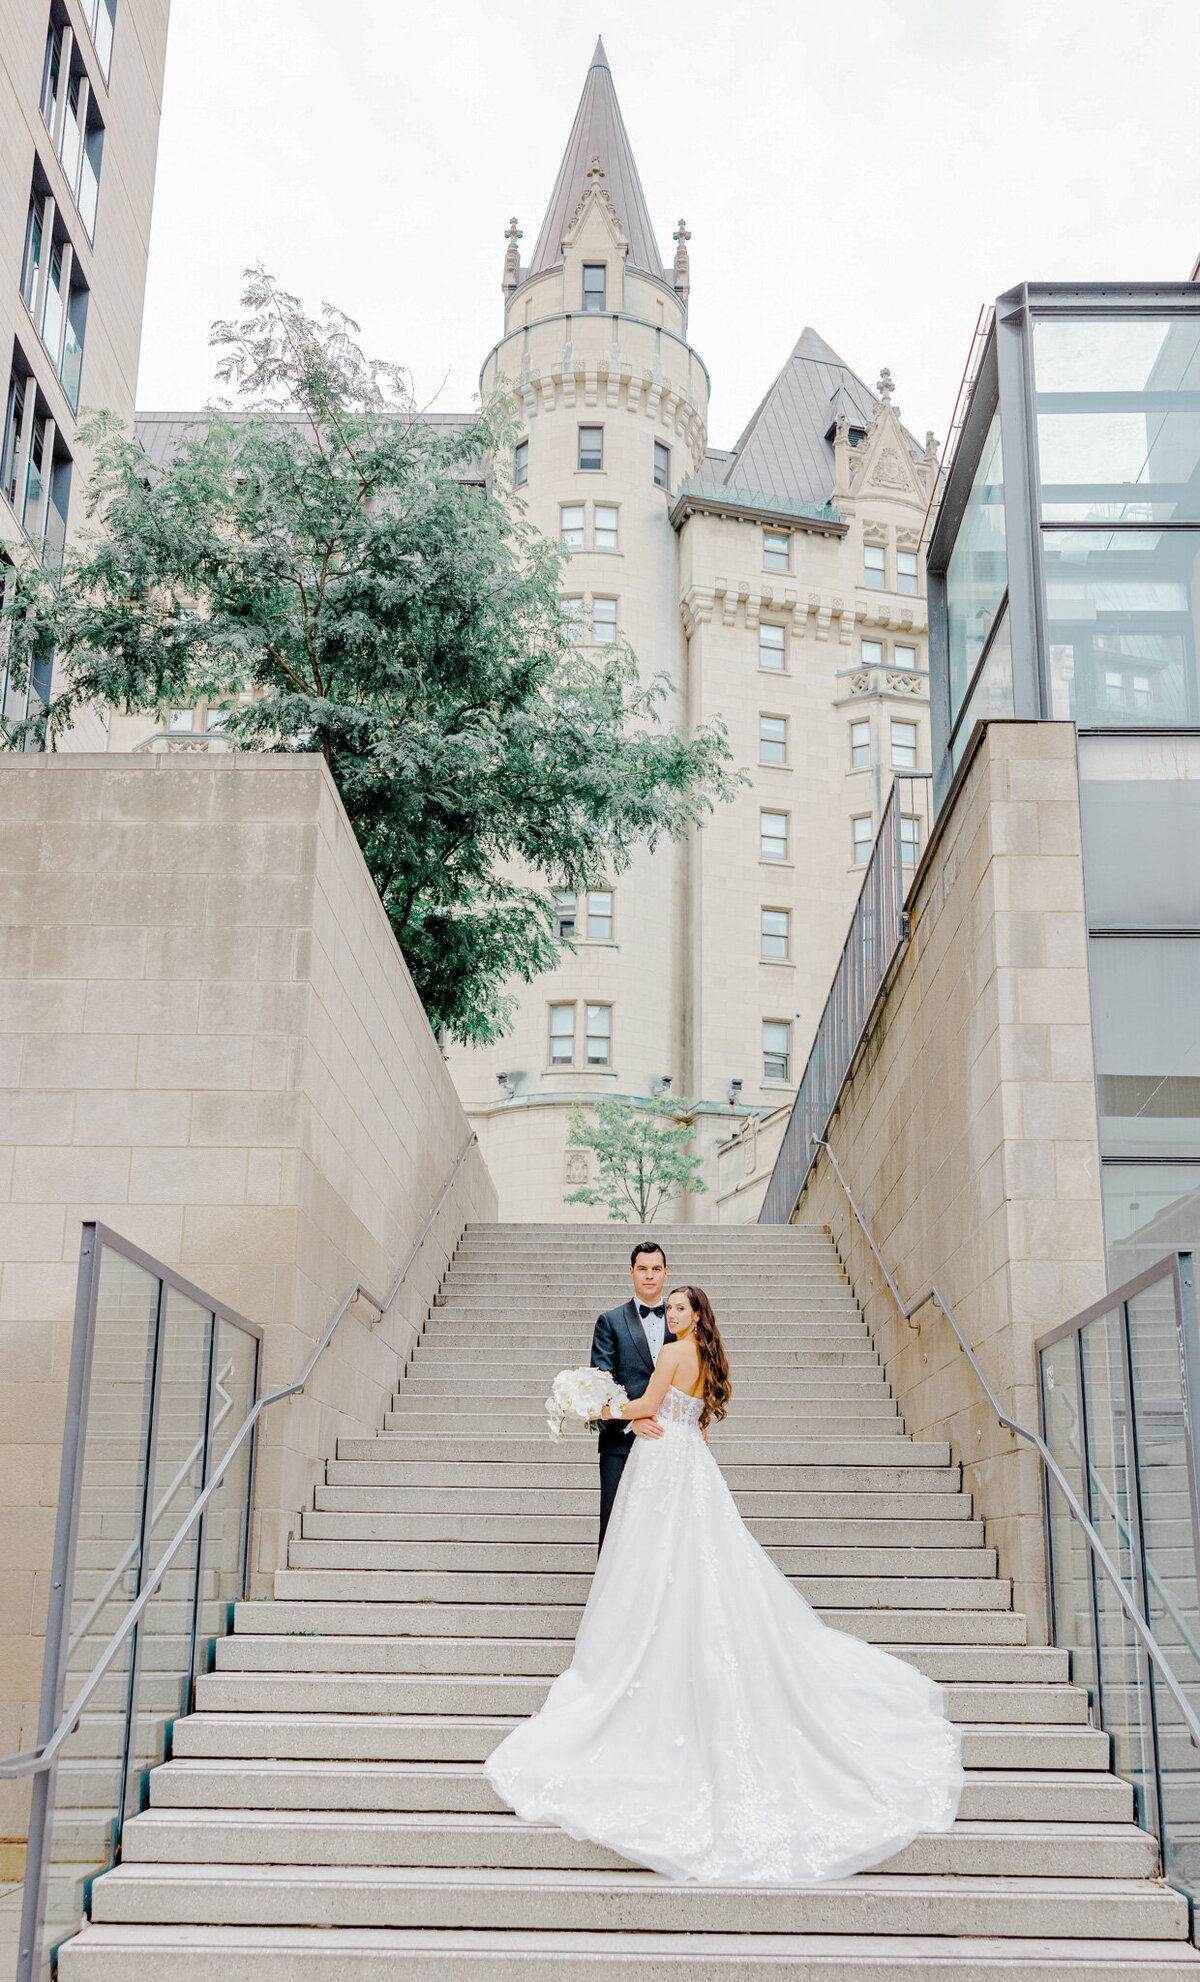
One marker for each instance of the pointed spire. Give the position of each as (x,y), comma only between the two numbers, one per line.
(598,133)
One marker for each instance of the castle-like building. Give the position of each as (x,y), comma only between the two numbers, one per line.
(777,584)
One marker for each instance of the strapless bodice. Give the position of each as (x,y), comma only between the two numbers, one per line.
(677,1408)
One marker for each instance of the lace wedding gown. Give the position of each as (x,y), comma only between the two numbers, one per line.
(710,1726)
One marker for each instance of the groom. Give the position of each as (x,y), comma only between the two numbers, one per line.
(626,1343)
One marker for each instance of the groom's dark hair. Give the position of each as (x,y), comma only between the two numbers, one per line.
(646,1246)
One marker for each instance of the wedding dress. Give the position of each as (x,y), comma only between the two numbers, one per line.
(710,1726)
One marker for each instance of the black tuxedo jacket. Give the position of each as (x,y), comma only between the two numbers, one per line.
(619,1346)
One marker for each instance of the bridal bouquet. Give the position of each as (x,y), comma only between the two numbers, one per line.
(580,1394)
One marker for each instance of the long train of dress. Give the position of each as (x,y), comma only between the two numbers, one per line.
(710,1725)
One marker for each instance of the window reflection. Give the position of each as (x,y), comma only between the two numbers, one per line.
(1149,1209)
(1121,608)
(1118,411)
(1146,1033)
(977,574)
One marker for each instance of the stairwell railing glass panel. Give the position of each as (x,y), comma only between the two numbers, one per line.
(161,1377)
(1120,1394)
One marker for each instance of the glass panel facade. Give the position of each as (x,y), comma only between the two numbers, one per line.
(1121,614)
(1150,1209)
(1146,1035)
(977,574)
(1139,805)
(1118,418)
(992,694)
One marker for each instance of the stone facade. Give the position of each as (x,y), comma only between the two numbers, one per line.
(77,170)
(210,1042)
(967,1130)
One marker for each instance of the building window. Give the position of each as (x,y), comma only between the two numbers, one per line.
(10,446)
(906,573)
(564,917)
(180,720)
(599,1035)
(872,653)
(604,621)
(861,837)
(772,649)
(593,285)
(873,573)
(591,447)
(773,835)
(60,307)
(600,915)
(775,550)
(910,839)
(904,657)
(69,113)
(521,464)
(777,1049)
(562,1035)
(662,465)
(904,746)
(860,746)
(101,16)
(772,740)
(775,934)
(572,613)
(571,526)
(604,526)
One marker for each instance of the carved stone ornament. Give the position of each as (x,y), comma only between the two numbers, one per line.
(595,175)
(888,471)
(577,1166)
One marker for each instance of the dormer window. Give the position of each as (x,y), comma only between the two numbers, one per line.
(594,285)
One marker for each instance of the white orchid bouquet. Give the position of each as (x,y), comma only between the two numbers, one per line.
(580,1394)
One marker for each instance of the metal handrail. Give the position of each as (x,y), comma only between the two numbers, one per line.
(114,1575)
(34,1761)
(932,1293)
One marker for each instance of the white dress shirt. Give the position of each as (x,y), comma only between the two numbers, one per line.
(655,1326)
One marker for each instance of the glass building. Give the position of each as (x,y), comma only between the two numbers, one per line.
(1064,583)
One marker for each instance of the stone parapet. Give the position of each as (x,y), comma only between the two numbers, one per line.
(967,1131)
(209,1041)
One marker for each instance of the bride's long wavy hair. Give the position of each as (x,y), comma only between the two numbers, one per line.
(714,1364)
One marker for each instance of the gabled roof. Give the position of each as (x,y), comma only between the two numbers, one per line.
(598,132)
(784,448)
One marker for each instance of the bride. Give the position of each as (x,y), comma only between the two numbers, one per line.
(710,1726)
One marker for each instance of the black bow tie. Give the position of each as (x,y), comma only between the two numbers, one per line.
(661,1312)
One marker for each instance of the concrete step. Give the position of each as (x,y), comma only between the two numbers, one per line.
(471,1738)
(525,1418)
(244,1651)
(523,1530)
(133,1953)
(579,1558)
(367,1617)
(180,1836)
(476,1694)
(929,1498)
(1034,1795)
(477,1355)
(403,1896)
(484,1587)
(792,1386)
(555,1468)
(728,1445)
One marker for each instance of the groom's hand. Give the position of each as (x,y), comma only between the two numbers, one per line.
(646,1428)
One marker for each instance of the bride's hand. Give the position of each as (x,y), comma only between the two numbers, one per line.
(646,1428)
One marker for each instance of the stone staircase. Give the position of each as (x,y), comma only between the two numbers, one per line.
(324,1819)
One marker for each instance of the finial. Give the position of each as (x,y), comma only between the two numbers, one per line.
(512,260)
(886,386)
(595,173)
(681,237)
(682,233)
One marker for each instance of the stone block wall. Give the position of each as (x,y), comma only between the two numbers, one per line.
(208,1040)
(968,1130)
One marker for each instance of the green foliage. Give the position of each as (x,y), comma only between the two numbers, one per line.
(326,565)
(642,1155)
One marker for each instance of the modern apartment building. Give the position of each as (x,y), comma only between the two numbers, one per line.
(80,97)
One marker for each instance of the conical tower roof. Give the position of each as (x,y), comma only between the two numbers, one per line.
(598,132)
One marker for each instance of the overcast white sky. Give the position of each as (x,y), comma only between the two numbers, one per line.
(878,168)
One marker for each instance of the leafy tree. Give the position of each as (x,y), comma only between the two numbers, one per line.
(327,563)
(642,1156)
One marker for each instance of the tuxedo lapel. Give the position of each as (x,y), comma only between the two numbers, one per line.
(637,1336)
